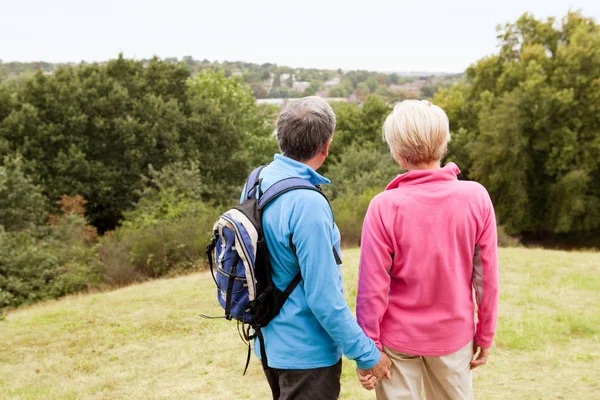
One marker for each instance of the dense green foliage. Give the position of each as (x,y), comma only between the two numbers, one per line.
(91,133)
(360,165)
(526,124)
(166,232)
(93,130)
(48,261)
(22,204)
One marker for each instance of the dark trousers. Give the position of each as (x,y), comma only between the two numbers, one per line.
(305,384)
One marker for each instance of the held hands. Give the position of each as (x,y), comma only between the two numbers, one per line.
(371,377)
(480,356)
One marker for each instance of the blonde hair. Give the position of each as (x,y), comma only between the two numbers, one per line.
(417,131)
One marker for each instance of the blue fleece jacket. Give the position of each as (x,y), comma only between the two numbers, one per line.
(315,326)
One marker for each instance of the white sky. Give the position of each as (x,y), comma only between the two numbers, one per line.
(437,36)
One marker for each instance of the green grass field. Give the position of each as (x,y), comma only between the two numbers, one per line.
(148,341)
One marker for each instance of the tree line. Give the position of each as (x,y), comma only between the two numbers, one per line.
(274,81)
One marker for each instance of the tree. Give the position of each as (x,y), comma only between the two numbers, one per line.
(393,79)
(372,84)
(223,128)
(338,91)
(258,90)
(93,130)
(314,87)
(277,80)
(525,124)
(252,77)
(265,74)
(360,126)
(188,61)
(22,204)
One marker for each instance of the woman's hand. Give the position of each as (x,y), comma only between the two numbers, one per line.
(367,381)
(480,356)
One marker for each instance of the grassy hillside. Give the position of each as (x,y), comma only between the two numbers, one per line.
(148,341)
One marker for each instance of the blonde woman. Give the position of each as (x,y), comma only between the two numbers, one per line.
(429,241)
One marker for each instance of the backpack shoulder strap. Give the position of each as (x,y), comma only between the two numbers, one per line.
(253,182)
(276,190)
(284,186)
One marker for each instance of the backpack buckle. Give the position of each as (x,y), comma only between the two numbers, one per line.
(210,247)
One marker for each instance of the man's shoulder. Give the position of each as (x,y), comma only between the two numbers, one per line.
(306,206)
(305,198)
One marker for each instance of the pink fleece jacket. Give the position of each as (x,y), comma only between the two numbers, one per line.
(427,242)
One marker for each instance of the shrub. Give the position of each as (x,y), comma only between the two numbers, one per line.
(27,269)
(349,212)
(359,169)
(114,261)
(48,262)
(506,240)
(167,231)
(22,205)
(168,246)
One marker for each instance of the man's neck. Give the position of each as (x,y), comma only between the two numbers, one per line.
(315,162)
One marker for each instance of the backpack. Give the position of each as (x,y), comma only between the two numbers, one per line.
(241,268)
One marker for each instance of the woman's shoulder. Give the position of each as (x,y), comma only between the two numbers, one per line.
(386,199)
(473,188)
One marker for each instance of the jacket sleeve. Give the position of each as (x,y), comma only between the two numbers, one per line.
(373,277)
(486,280)
(313,237)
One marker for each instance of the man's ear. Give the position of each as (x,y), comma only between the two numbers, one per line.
(326,149)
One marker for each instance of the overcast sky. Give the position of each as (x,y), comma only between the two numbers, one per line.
(437,36)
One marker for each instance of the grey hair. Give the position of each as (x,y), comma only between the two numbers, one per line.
(304,128)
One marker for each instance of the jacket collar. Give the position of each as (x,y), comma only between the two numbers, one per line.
(420,177)
(301,170)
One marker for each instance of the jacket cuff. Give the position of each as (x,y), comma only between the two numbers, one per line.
(370,362)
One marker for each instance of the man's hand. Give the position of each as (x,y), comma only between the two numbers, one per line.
(480,356)
(369,378)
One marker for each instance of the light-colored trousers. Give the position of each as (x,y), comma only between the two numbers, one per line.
(444,378)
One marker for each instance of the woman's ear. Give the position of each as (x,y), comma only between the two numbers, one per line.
(403,163)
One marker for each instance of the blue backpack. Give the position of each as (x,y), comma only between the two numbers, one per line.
(240,265)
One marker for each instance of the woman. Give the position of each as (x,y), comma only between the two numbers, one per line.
(429,241)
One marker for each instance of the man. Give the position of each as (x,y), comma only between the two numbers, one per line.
(305,341)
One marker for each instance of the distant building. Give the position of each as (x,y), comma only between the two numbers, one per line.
(336,100)
(236,73)
(283,78)
(300,86)
(282,102)
(410,87)
(332,82)
(276,102)
(353,98)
